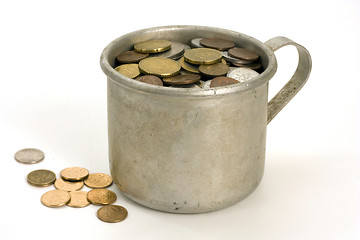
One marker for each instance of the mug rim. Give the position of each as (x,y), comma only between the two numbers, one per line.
(120,79)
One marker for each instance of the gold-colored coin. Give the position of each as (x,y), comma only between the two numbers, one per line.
(68,186)
(159,66)
(152,46)
(74,173)
(41,178)
(214,70)
(55,198)
(202,56)
(188,66)
(112,213)
(78,199)
(98,180)
(101,196)
(130,70)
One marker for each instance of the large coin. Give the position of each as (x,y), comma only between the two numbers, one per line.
(152,46)
(68,186)
(98,180)
(217,43)
(29,156)
(176,50)
(159,66)
(151,79)
(112,213)
(74,173)
(192,68)
(130,70)
(55,198)
(78,199)
(222,81)
(182,79)
(202,56)
(101,196)
(214,70)
(41,178)
(242,74)
(243,53)
(131,57)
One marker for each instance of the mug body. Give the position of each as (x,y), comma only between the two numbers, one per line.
(186,150)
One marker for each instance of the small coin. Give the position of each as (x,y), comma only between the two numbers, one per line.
(68,186)
(78,199)
(98,180)
(112,213)
(214,70)
(41,178)
(192,68)
(243,53)
(206,84)
(254,66)
(217,43)
(176,50)
(152,46)
(151,79)
(202,56)
(131,57)
(101,196)
(228,58)
(55,198)
(222,81)
(159,66)
(74,173)
(195,43)
(130,70)
(182,79)
(29,155)
(242,74)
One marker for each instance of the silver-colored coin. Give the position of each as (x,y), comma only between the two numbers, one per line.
(206,84)
(242,74)
(200,83)
(176,50)
(29,156)
(193,85)
(228,58)
(195,43)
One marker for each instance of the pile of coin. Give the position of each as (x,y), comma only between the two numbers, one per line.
(67,187)
(204,63)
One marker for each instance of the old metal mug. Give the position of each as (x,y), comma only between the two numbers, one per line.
(188,150)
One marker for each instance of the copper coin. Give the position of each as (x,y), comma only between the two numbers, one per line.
(98,180)
(55,198)
(101,196)
(112,213)
(41,178)
(130,70)
(68,186)
(74,173)
(243,53)
(29,155)
(151,79)
(78,199)
(131,57)
(217,43)
(152,46)
(182,79)
(214,70)
(222,81)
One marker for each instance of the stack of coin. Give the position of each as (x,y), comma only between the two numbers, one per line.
(173,64)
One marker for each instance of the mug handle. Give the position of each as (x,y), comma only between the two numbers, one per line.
(297,81)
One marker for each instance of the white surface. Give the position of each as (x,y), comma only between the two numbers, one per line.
(53,97)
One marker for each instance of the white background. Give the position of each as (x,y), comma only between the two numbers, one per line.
(53,97)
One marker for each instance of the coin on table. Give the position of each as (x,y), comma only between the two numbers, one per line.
(101,196)
(151,79)
(55,198)
(112,213)
(195,43)
(131,57)
(222,81)
(74,173)
(152,46)
(214,70)
(78,199)
(202,56)
(159,66)
(41,178)
(130,70)
(98,180)
(29,155)
(182,79)
(176,50)
(68,186)
(243,53)
(242,74)
(192,68)
(217,43)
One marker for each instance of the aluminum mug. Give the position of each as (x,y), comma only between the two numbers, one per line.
(188,150)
